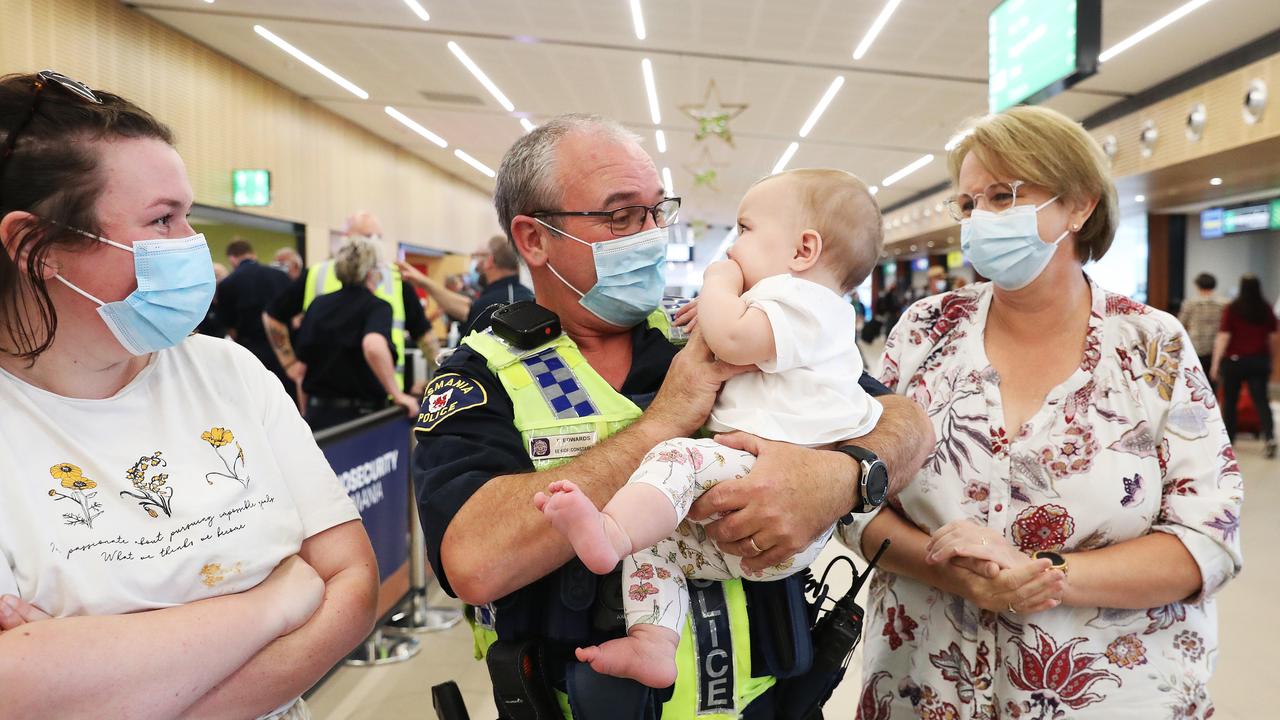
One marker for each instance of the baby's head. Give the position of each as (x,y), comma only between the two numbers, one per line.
(818,224)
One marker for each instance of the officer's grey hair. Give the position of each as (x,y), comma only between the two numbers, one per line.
(527,179)
(355,260)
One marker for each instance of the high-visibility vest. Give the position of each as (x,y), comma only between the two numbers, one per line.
(323,279)
(562,407)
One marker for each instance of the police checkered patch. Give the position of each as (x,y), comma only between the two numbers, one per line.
(447,395)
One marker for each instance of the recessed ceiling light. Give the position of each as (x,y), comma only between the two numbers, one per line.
(414,126)
(786,158)
(466,60)
(527,125)
(1215,181)
(637,18)
(310,62)
(875,29)
(1139,198)
(822,105)
(661,139)
(666,181)
(914,166)
(1151,29)
(485,169)
(651,90)
(414,5)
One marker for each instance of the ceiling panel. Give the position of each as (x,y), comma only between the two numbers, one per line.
(923,77)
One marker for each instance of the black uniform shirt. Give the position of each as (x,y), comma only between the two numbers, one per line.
(289,303)
(476,439)
(502,291)
(330,343)
(242,297)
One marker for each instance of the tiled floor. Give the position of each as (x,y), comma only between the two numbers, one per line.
(1245,687)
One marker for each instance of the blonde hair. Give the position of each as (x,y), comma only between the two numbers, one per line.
(1043,147)
(841,209)
(353,261)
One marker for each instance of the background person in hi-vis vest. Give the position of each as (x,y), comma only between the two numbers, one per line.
(583,204)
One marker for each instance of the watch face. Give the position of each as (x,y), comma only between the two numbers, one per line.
(877,484)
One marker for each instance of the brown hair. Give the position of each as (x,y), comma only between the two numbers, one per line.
(841,209)
(1044,147)
(239,247)
(52,174)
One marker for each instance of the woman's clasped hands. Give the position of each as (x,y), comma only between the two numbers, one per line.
(990,572)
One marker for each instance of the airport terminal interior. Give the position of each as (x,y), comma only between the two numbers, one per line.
(311,130)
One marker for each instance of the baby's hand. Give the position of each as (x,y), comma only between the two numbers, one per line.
(687,316)
(726,272)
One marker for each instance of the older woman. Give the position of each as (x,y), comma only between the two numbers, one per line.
(172,541)
(1083,499)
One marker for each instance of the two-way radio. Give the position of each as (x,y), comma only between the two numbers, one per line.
(836,634)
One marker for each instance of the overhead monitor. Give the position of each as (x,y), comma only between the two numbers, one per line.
(1038,48)
(1260,216)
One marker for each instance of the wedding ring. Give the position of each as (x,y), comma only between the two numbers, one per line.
(1011,610)
(754,546)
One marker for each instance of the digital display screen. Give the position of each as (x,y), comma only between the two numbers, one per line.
(1254,217)
(1038,48)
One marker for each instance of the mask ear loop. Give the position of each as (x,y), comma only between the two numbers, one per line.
(67,282)
(552,268)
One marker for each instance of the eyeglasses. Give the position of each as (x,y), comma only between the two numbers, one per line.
(1000,197)
(627,220)
(44,79)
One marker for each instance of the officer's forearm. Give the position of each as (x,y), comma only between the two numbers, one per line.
(278,334)
(903,439)
(486,560)
(453,303)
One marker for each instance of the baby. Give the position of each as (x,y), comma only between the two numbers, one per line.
(805,237)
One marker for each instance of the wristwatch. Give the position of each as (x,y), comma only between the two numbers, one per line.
(1056,561)
(873,478)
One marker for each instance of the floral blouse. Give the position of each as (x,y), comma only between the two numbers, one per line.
(1131,443)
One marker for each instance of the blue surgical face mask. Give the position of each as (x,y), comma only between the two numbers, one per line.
(1006,246)
(175,287)
(631,275)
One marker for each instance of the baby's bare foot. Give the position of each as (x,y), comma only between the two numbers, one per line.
(647,655)
(576,517)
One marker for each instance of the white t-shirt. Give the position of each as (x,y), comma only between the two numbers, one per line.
(809,394)
(192,482)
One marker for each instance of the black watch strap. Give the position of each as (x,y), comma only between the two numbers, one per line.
(873,478)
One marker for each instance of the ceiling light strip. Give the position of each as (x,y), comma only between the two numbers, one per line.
(310,62)
(786,158)
(919,163)
(821,107)
(666,181)
(527,125)
(637,18)
(414,126)
(467,62)
(651,90)
(418,10)
(473,162)
(875,29)
(1151,29)
(661,139)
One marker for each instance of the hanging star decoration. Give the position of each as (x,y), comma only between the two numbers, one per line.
(713,115)
(706,170)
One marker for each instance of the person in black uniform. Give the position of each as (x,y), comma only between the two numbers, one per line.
(243,296)
(288,304)
(486,542)
(497,271)
(345,342)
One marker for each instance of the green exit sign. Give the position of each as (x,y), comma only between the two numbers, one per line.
(251,188)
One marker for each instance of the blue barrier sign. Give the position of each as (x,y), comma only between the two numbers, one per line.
(372,463)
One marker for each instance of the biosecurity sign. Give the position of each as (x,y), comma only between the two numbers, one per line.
(372,464)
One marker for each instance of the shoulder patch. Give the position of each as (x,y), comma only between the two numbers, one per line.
(447,395)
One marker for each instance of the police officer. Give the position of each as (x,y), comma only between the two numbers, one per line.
(345,344)
(497,269)
(588,405)
(243,296)
(408,321)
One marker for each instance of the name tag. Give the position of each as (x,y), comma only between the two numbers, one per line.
(553,447)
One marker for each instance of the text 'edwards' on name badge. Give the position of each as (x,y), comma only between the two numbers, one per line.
(552,447)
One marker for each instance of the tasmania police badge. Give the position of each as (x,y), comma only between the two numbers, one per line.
(447,395)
